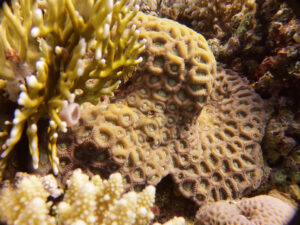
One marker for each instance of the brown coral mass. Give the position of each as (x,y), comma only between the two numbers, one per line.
(178,115)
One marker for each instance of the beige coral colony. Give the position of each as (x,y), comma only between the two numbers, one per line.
(174,112)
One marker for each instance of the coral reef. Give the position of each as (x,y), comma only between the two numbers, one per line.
(252,37)
(281,143)
(100,202)
(177,115)
(277,143)
(140,101)
(229,26)
(214,19)
(282,43)
(174,221)
(25,203)
(278,82)
(170,203)
(86,201)
(261,209)
(55,53)
(273,47)
(148,6)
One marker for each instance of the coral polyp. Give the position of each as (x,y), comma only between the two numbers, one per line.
(56,53)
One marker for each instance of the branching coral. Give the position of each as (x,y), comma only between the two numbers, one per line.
(86,201)
(26,203)
(98,201)
(59,52)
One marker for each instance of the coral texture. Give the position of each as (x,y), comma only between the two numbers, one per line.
(261,209)
(174,221)
(280,145)
(55,53)
(26,203)
(214,19)
(282,43)
(98,201)
(178,115)
(148,6)
(86,201)
(232,28)
(277,143)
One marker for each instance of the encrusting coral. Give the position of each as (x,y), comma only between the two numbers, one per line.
(58,53)
(177,115)
(262,209)
(86,201)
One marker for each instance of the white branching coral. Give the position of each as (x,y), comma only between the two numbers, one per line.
(25,204)
(54,53)
(86,202)
(98,201)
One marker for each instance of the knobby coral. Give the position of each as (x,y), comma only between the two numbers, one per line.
(100,202)
(26,203)
(177,115)
(56,53)
(86,201)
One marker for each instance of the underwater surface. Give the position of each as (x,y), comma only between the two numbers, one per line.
(149,112)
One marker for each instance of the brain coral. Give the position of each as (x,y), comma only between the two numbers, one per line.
(178,115)
(261,209)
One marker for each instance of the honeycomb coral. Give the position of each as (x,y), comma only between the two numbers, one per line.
(261,209)
(227,162)
(116,137)
(178,115)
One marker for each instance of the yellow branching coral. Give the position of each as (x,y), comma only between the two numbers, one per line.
(54,53)
(86,201)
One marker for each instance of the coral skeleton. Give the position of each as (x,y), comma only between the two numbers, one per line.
(54,54)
